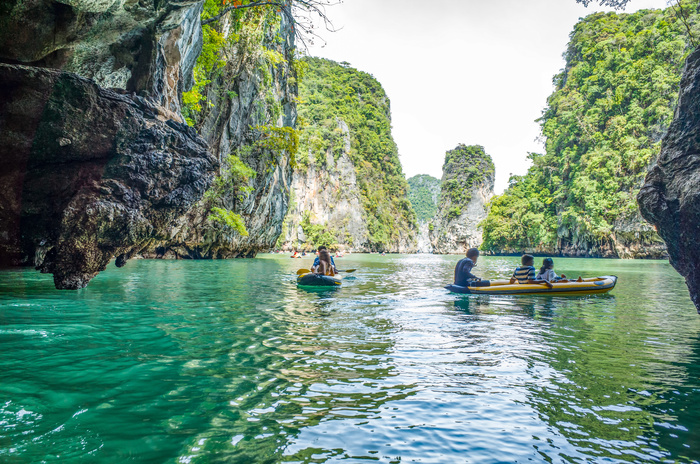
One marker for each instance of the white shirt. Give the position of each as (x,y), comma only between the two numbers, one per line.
(547,275)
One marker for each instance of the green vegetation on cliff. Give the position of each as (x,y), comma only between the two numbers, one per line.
(424,192)
(334,93)
(464,167)
(246,41)
(603,125)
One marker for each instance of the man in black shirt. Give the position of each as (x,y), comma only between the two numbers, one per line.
(463,269)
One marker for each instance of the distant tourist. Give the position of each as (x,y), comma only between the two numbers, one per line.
(463,269)
(318,259)
(547,271)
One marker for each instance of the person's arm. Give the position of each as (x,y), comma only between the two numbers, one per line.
(532,279)
(471,276)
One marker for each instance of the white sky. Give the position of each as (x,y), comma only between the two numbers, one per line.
(476,72)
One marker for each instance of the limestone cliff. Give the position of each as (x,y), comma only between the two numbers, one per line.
(247,112)
(466,188)
(97,161)
(670,197)
(348,189)
(90,173)
(147,48)
(602,127)
(326,205)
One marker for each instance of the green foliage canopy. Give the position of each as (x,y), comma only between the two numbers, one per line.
(331,92)
(603,125)
(424,192)
(465,167)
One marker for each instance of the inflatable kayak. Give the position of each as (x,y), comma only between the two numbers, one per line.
(588,286)
(315,280)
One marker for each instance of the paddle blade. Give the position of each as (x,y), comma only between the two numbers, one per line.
(349,270)
(303,271)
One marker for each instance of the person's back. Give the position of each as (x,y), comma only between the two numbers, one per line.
(526,272)
(317,261)
(548,275)
(547,271)
(324,266)
(463,269)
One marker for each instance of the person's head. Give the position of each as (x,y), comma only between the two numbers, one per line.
(473,254)
(324,255)
(527,260)
(321,248)
(547,263)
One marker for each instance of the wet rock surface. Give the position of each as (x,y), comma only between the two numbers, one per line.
(247,95)
(87,174)
(146,47)
(670,197)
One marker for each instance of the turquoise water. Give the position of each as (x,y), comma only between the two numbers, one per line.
(227,361)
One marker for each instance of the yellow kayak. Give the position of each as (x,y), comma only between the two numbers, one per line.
(588,286)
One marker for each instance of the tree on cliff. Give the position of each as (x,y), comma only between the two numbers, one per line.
(617,4)
(302,14)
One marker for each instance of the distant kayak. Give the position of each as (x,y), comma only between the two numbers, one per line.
(315,280)
(588,286)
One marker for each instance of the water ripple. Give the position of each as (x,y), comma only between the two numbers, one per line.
(206,362)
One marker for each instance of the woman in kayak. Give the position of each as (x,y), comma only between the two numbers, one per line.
(325,267)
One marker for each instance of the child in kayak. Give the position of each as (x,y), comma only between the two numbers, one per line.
(547,271)
(526,273)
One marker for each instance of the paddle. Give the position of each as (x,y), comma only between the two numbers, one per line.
(306,271)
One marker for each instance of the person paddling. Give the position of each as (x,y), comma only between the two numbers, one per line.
(463,269)
(325,267)
(317,260)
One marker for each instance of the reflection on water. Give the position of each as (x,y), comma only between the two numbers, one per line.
(201,361)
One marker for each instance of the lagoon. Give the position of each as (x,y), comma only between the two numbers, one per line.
(228,361)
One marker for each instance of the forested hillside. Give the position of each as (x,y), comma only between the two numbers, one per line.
(602,125)
(347,150)
(424,192)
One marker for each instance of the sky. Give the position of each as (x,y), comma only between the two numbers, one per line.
(476,72)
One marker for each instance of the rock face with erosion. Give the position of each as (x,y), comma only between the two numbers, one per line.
(87,174)
(670,197)
(250,107)
(467,186)
(90,173)
(349,191)
(326,197)
(144,47)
